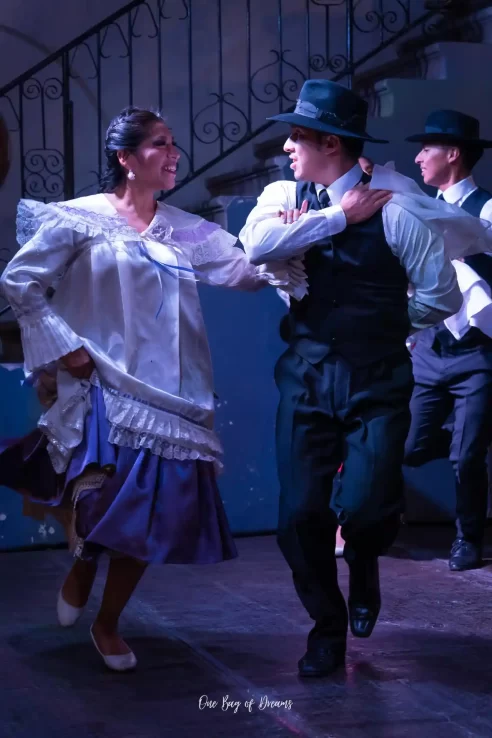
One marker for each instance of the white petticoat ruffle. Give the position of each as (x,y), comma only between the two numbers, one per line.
(133,424)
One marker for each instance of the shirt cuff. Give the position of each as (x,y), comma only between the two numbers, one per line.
(46,338)
(337,217)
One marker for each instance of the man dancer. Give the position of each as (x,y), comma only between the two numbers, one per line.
(453,365)
(346,380)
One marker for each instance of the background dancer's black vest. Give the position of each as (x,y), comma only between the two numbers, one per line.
(481,263)
(438,336)
(357,306)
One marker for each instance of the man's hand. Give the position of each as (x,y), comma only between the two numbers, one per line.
(291,216)
(361,203)
(366,165)
(78,363)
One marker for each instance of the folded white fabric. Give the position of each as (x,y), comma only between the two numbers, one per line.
(476,310)
(284,297)
(289,276)
(63,423)
(463,235)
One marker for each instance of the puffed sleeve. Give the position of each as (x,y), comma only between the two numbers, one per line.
(217,259)
(48,246)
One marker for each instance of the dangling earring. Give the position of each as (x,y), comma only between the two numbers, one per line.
(131,174)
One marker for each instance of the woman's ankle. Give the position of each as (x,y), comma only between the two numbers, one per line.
(106,624)
(78,584)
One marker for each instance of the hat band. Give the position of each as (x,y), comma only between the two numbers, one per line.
(449,130)
(308,110)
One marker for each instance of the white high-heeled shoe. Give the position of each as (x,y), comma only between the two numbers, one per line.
(67,614)
(123,662)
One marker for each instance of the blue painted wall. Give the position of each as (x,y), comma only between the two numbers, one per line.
(245,344)
(19,414)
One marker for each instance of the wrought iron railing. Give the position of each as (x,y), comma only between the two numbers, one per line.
(216,68)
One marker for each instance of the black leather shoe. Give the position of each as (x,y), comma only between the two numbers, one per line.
(364,601)
(321,661)
(465,555)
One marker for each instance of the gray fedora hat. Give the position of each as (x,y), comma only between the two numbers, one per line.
(451,126)
(328,107)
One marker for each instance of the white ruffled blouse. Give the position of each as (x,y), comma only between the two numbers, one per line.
(139,320)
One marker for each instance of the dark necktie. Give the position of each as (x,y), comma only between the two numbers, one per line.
(441,196)
(324,199)
(325,202)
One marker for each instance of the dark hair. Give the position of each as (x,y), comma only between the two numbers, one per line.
(470,155)
(125,133)
(352,147)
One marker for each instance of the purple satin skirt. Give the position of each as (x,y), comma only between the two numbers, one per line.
(153,509)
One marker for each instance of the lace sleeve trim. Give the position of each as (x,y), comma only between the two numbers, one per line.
(206,243)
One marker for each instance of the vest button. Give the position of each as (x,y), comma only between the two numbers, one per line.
(333,340)
(334,303)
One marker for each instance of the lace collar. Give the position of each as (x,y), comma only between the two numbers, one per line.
(169,224)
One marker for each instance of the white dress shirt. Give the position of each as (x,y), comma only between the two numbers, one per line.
(419,249)
(476,310)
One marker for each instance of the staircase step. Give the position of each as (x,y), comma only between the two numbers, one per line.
(230,212)
(251,182)
(446,62)
(420,56)
(270,148)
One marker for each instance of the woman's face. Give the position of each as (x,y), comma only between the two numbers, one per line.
(155,161)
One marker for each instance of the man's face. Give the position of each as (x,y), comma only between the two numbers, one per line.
(435,163)
(305,149)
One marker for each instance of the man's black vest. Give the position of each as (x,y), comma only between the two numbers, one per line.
(439,336)
(357,306)
(481,263)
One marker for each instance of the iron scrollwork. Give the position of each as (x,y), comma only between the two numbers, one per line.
(231,130)
(275,90)
(51,89)
(44,173)
(386,19)
(185,9)
(137,14)
(330,38)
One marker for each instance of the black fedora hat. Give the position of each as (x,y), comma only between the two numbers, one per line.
(451,126)
(328,107)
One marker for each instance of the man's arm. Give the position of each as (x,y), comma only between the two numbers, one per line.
(267,237)
(421,252)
